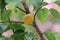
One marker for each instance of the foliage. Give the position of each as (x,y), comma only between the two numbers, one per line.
(49,35)
(55,13)
(21,31)
(42,14)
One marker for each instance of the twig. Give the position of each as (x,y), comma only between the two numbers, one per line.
(25,7)
(38,30)
(11,21)
(36,27)
(21,9)
(37,11)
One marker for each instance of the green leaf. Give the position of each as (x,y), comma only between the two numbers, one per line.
(57,36)
(0,16)
(2,5)
(31,34)
(3,26)
(49,35)
(19,35)
(16,26)
(28,37)
(36,3)
(20,13)
(42,14)
(18,30)
(55,13)
(1,31)
(28,2)
(6,15)
(58,3)
(44,3)
(11,38)
(2,38)
(19,38)
(10,6)
(14,1)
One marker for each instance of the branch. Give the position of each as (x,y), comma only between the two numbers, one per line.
(35,25)
(25,7)
(11,21)
(39,32)
(21,9)
(37,11)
